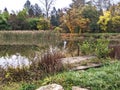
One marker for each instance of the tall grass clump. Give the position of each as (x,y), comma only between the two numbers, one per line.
(49,62)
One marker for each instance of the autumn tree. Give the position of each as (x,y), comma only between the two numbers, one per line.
(104,20)
(47,4)
(73,20)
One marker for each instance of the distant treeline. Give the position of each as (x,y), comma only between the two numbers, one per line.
(80,17)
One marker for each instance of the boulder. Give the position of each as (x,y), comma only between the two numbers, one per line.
(51,87)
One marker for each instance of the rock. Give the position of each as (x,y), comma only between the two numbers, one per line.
(78,88)
(51,87)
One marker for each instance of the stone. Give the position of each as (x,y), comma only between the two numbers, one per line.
(51,87)
(78,88)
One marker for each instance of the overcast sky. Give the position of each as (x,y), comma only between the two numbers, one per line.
(17,5)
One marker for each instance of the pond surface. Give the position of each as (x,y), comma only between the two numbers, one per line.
(17,55)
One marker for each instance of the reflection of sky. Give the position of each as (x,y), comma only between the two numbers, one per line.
(14,61)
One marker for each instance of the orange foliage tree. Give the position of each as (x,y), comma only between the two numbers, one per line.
(73,19)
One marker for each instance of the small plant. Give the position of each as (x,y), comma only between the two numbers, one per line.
(86,48)
(28,87)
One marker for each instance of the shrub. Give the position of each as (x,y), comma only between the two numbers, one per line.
(32,22)
(97,47)
(43,24)
(101,48)
(86,48)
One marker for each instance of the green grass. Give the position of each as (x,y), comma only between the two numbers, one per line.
(104,78)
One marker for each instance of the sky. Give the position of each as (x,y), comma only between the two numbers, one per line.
(17,5)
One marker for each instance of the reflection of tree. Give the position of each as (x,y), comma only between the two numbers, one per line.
(72,47)
(23,50)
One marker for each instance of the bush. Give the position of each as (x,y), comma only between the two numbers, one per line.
(86,48)
(101,48)
(32,22)
(43,24)
(97,47)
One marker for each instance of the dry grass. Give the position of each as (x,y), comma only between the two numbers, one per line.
(28,37)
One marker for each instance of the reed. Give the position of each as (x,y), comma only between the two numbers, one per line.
(28,38)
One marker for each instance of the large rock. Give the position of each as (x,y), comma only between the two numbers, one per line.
(51,87)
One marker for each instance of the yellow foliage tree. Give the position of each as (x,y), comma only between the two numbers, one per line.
(104,20)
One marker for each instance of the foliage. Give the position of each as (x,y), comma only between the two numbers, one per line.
(73,20)
(92,14)
(58,29)
(101,48)
(104,78)
(87,47)
(43,24)
(32,23)
(3,23)
(116,24)
(18,22)
(104,21)
(98,47)
(55,17)
(28,87)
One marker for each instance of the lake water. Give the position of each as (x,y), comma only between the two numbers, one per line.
(17,55)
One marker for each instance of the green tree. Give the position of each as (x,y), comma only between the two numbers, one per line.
(92,14)
(4,23)
(55,17)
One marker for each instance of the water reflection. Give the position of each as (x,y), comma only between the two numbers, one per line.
(17,55)
(14,61)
